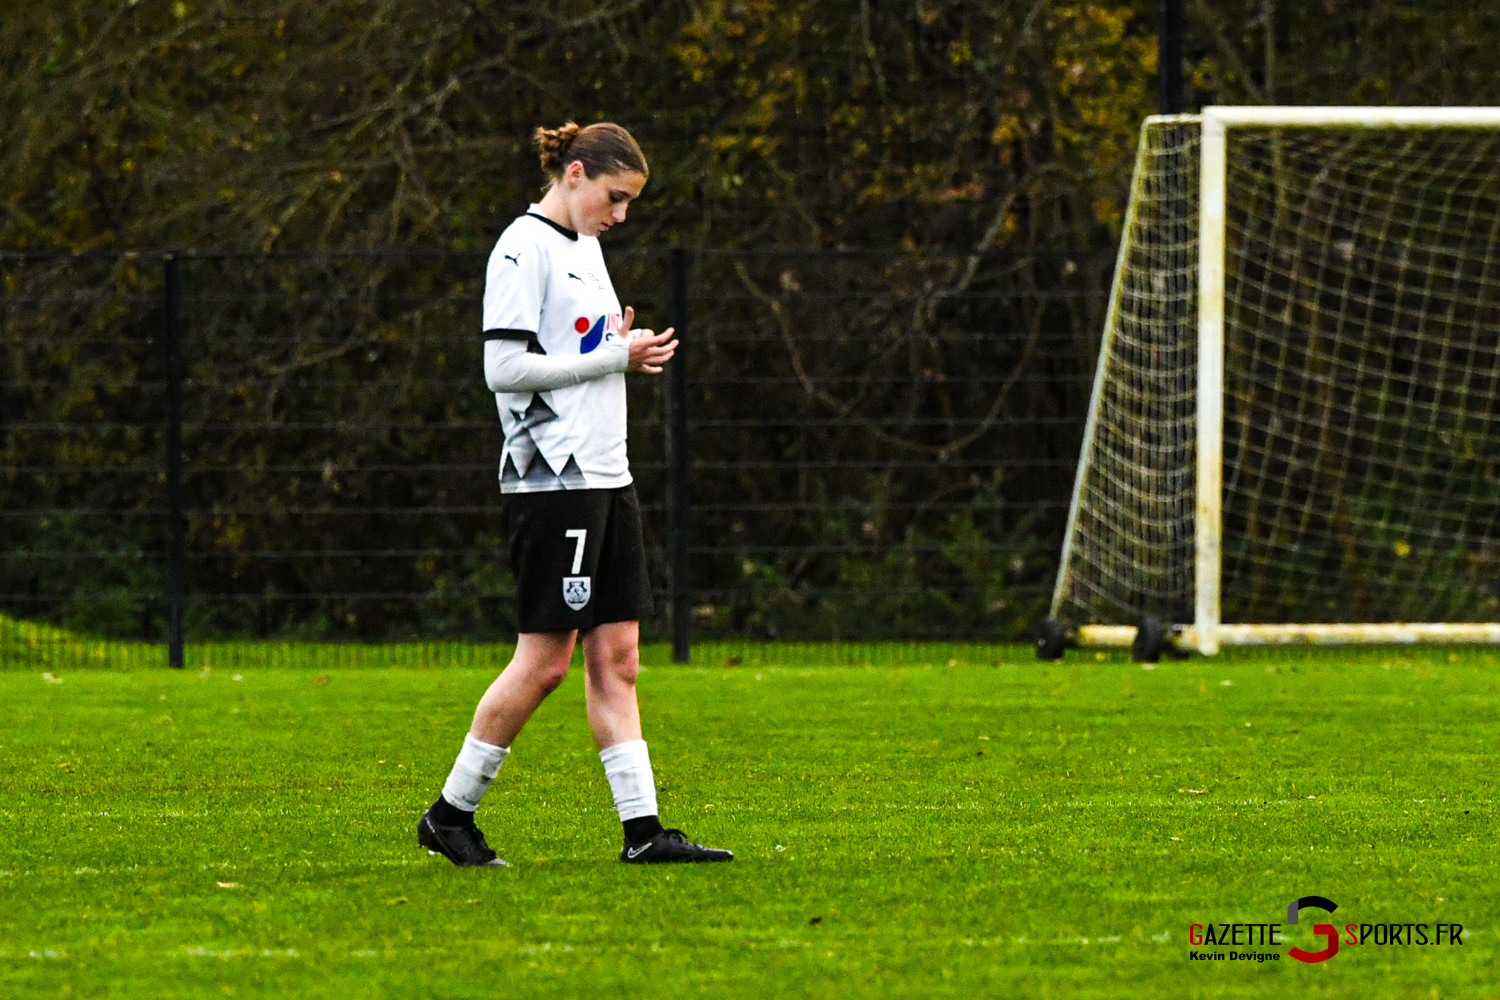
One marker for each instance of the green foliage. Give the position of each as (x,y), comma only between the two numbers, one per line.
(969,135)
(280,125)
(970,572)
(272,124)
(1343,52)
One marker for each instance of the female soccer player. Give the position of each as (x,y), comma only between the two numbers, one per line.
(556,349)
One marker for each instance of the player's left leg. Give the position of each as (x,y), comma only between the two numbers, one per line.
(611,657)
(612,663)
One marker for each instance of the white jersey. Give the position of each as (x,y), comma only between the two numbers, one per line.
(547,287)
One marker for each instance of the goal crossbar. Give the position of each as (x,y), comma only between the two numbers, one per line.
(1359,117)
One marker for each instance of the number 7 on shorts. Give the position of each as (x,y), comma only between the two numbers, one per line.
(579,535)
(577,589)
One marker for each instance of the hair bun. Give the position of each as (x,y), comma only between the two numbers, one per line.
(566,134)
(552,144)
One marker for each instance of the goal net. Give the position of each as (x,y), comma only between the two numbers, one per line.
(1295,427)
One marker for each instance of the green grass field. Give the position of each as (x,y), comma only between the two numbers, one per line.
(945,824)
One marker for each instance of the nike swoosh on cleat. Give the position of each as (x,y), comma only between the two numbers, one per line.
(635,852)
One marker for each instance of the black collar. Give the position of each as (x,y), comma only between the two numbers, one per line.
(570,234)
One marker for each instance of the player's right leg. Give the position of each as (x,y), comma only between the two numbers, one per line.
(539,665)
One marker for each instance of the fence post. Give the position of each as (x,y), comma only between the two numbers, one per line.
(678,457)
(1171,95)
(176,516)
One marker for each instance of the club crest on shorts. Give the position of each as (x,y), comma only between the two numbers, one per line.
(576,591)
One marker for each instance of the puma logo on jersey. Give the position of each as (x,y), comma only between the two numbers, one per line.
(516,260)
(574,276)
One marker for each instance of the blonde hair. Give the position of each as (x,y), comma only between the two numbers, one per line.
(602,148)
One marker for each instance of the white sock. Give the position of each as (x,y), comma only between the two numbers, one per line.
(473,772)
(628,768)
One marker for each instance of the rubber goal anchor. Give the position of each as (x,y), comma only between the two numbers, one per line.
(1153,639)
(1053,638)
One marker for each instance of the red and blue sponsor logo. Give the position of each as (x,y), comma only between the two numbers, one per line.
(596,332)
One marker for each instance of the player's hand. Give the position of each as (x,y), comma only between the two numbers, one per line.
(648,350)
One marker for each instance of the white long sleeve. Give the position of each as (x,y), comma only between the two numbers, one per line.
(508,367)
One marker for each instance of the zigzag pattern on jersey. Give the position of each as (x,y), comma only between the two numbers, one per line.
(522,468)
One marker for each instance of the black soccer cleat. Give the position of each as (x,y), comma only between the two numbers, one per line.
(463,845)
(669,846)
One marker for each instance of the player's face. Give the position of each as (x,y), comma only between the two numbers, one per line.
(596,203)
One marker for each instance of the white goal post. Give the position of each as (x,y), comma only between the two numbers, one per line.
(1294,432)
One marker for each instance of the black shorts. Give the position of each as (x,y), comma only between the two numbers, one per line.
(579,558)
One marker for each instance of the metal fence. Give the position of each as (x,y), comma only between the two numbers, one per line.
(205,448)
